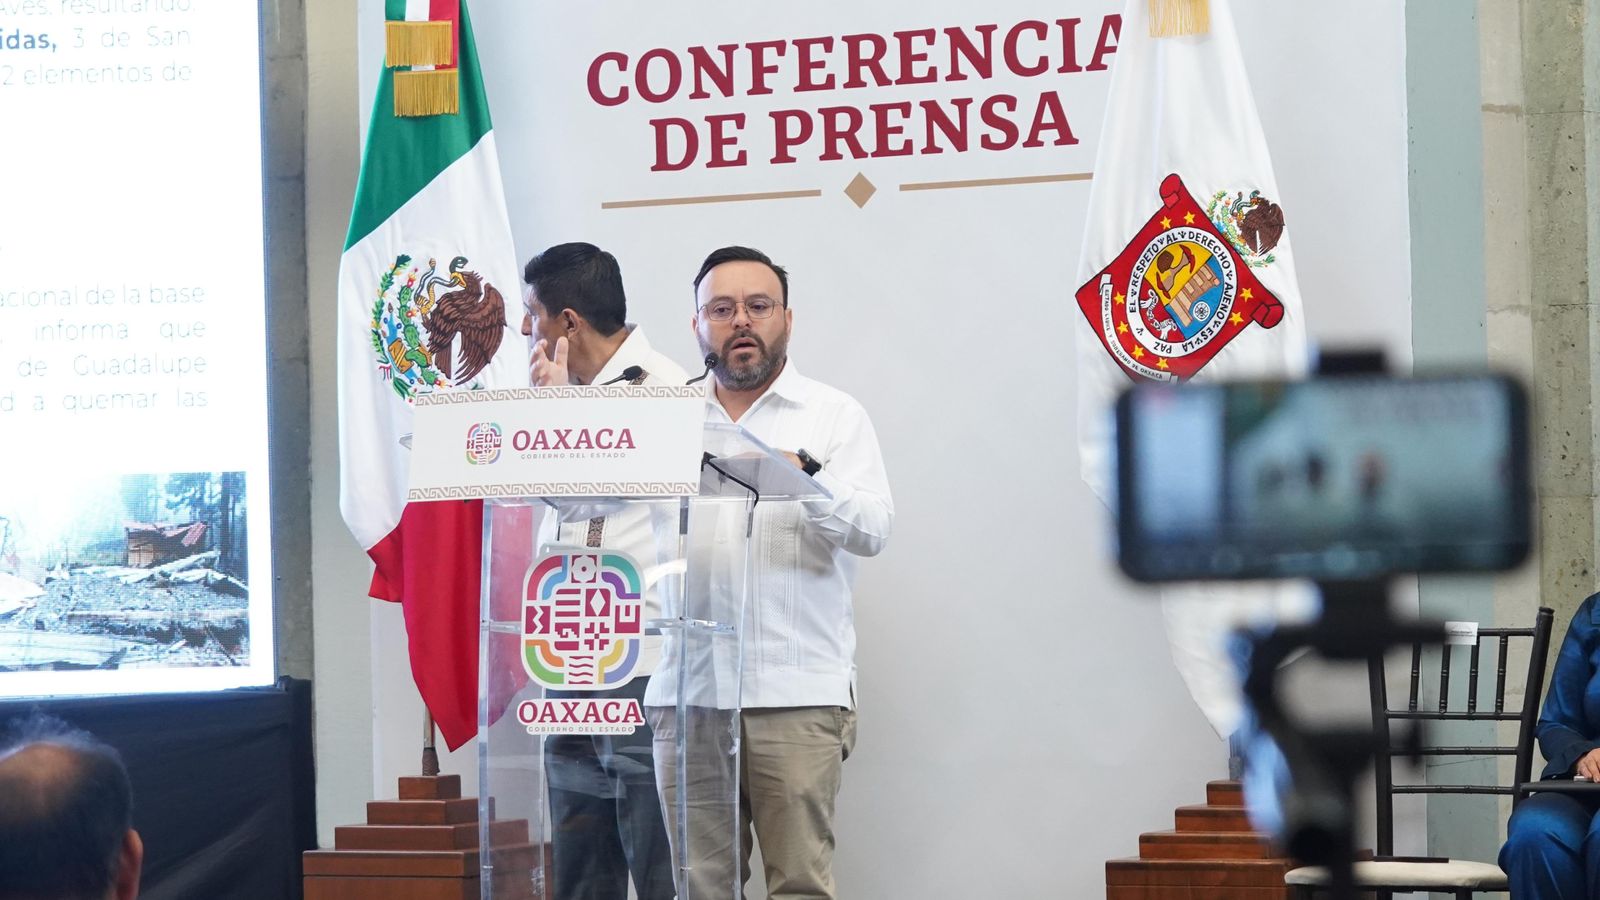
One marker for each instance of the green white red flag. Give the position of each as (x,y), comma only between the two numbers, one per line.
(427,268)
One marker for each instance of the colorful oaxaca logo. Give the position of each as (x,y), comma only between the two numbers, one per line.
(427,340)
(1183,288)
(582,616)
(483,443)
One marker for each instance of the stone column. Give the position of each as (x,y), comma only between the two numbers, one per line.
(1540,75)
(1539,68)
(283,29)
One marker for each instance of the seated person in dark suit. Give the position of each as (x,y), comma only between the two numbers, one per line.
(1552,849)
(65,817)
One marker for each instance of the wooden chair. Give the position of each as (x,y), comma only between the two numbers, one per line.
(1386,874)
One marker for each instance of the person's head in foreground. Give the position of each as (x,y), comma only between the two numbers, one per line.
(66,810)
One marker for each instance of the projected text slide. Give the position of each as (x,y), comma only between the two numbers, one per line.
(133,366)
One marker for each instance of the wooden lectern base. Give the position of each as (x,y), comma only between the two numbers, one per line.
(423,846)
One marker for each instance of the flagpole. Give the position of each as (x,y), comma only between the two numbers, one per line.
(430,756)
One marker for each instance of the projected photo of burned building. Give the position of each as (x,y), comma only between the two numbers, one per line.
(140,571)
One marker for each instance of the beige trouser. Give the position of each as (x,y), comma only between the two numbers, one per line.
(790,764)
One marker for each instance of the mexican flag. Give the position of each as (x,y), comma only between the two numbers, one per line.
(1186,273)
(429,293)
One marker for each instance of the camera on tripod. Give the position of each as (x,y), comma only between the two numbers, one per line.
(1347,479)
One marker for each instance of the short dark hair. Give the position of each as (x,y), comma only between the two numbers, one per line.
(62,822)
(744,254)
(583,278)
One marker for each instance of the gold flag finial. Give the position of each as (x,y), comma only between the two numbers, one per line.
(1173,18)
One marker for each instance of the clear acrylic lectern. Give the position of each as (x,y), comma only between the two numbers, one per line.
(583,599)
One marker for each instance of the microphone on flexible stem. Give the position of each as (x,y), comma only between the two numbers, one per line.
(628,374)
(711,363)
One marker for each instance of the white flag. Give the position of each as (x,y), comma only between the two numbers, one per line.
(1186,272)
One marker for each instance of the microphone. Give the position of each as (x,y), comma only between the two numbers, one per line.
(711,363)
(628,374)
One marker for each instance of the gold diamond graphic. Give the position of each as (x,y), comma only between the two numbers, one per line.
(860,190)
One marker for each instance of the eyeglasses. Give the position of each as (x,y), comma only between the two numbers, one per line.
(723,310)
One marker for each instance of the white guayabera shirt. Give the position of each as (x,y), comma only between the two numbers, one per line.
(799,626)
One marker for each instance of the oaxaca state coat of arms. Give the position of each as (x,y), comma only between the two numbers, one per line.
(433,329)
(1183,288)
(582,618)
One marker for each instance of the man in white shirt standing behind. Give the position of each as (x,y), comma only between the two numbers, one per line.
(606,819)
(577,311)
(798,688)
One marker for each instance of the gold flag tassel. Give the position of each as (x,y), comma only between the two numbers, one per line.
(427,93)
(1173,18)
(419,44)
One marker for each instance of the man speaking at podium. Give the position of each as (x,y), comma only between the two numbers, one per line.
(798,689)
(605,814)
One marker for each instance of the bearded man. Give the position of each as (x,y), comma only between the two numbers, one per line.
(798,719)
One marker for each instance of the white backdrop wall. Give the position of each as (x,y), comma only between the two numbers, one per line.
(1020,719)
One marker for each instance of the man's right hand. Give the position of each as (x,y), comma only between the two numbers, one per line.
(544,371)
(1589,766)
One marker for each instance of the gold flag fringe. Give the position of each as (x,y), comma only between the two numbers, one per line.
(419,44)
(1172,18)
(427,93)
